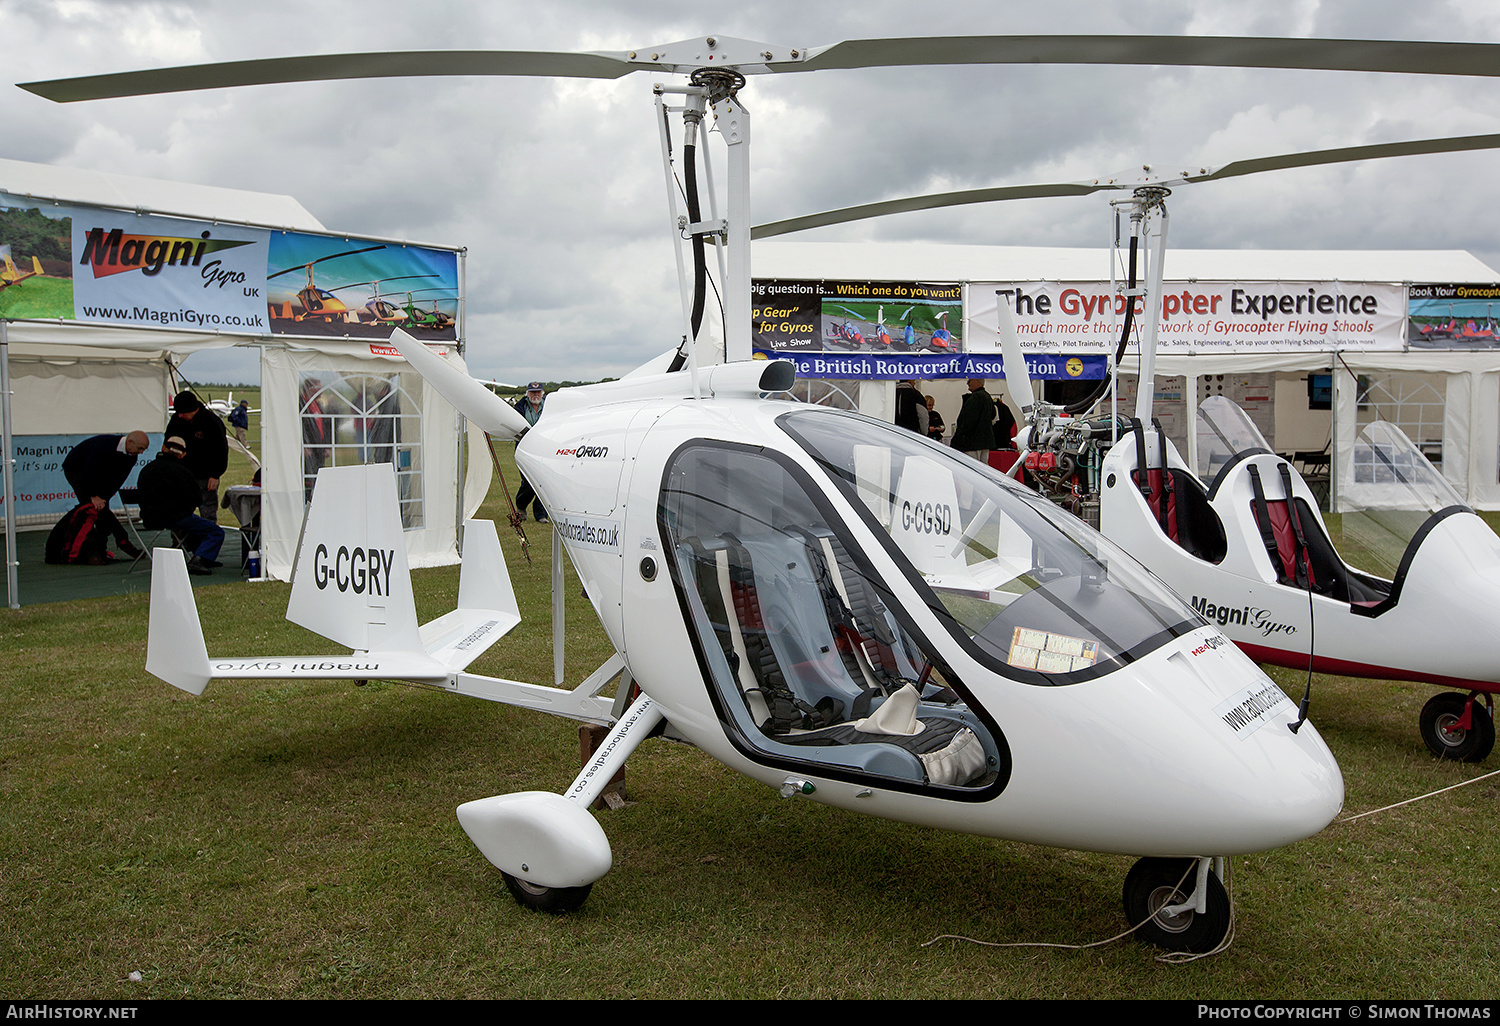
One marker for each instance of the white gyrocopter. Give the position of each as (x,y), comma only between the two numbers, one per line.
(1245,544)
(1248,548)
(828,604)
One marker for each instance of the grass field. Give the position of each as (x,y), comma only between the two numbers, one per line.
(274,840)
(41,297)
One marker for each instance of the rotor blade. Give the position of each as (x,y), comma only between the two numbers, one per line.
(1234,169)
(941,199)
(1313,158)
(378,281)
(1396,56)
(331,256)
(328,67)
(1416,58)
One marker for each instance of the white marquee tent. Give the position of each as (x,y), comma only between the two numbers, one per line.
(71,377)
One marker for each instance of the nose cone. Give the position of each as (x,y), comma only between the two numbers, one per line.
(1452,587)
(1185,752)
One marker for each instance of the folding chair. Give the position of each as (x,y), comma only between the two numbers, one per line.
(146,538)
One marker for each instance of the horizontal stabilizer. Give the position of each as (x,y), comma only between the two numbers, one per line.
(359,666)
(175,651)
(487,608)
(352,585)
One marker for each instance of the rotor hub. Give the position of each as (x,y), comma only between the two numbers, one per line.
(721,83)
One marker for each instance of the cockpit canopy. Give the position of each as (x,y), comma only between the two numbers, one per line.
(1028,589)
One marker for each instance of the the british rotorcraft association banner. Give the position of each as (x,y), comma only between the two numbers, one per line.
(1194,317)
(84,263)
(891,330)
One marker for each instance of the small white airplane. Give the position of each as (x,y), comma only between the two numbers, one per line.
(224,407)
(826,603)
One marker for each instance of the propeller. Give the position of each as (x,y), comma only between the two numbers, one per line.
(1147,175)
(492,414)
(749,57)
(1017,376)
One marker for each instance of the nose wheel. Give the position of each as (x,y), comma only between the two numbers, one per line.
(1161,898)
(1458,727)
(557,900)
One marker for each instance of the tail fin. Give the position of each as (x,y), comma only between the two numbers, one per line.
(10,273)
(351,582)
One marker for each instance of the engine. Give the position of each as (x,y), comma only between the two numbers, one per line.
(1065,460)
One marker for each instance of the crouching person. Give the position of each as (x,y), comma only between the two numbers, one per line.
(169,497)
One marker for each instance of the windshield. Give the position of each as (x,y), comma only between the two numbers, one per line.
(1397,490)
(1223,430)
(1028,589)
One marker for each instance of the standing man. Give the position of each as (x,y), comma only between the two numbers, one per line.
(239,419)
(530,407)
(911,408)
(98,466)
(974,431)
(207,448)
(169,493)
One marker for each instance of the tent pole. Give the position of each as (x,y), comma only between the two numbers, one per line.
(9,470)
(463,443)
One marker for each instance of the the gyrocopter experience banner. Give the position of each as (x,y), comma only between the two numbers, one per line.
(1194,317)
(76,262)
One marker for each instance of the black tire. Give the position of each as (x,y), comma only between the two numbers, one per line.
(556,900)
(1441,712)
(1155,883)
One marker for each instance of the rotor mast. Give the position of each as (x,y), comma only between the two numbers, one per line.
(715,90)
(1147,208)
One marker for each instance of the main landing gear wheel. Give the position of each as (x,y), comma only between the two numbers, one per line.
(556,900)
(1445,739)
(1155,883)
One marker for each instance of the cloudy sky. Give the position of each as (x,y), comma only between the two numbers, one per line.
(555,187)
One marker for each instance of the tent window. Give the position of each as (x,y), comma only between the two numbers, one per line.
(1410,402)
(352,418)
